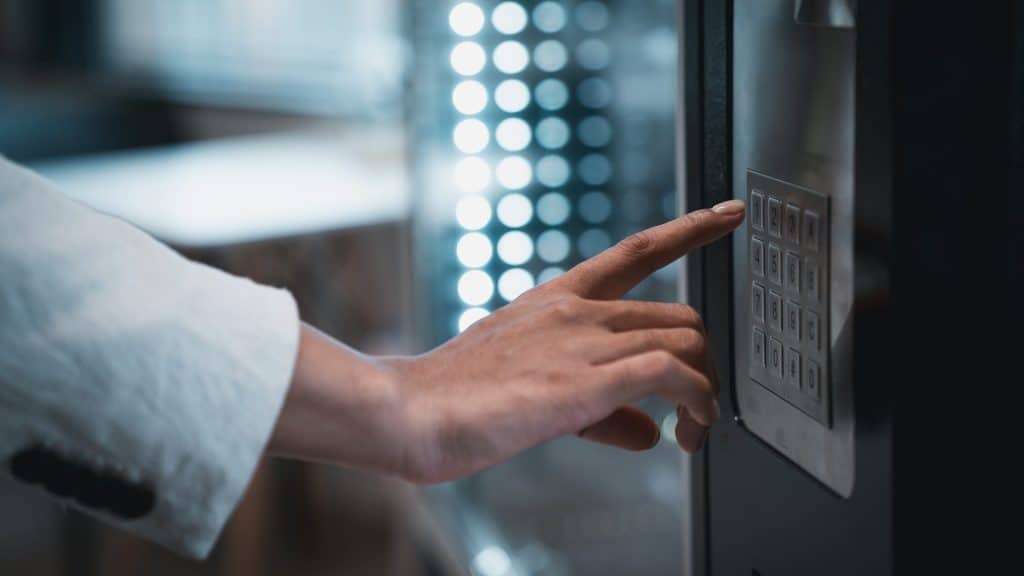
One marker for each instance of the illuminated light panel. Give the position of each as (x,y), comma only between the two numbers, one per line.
(513,134)
(471,136)
(468,58)
(594,131)
(553,208)
(469,97)
(595,207)
(553,246)
(474,250)
(492,561)
(594,93)
(515,248)
(466,19)
(512,96)
(553,171)
(551,94)
(550,55)
(509,18)
(472,174)
(593,54)
(514,172)
(549,17)
(475,287)
(515,210)
(511,57)
(552,133)
(470,316)
(592,242)
(549,274)
(473,212)
(595,169)
(513,282)
(591,16)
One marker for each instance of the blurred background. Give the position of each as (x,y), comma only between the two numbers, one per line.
(404,167)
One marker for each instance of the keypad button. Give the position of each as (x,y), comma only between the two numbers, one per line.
(812,230)
(774,217)
(793,368)
(757,209)
(775,357)
(774,264)
(792,313)
(757,302)
(757,255)
(757,348)
(775,311)
(793,272)
(812,280)
(814,331)
(812,384)
(791,224)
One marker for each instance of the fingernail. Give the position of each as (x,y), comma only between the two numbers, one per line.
(728,207)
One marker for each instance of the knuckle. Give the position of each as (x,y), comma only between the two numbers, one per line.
(638,243)
(693,340)
(698,218)
(566,307)
(689,315)
(663,363)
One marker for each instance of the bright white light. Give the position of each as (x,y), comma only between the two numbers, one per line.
(470,316)
(552,171)
(549,274)
(468,58)
(595,169)
(469,97)
(549,17)
(514,172)
(511,57)
(553,208)
(508,17)
(592,16)
(593,241)
(492,561)
(474,250)
(595,207)
(593,54)
(512,96)
(475,287)
(553,246)
(513,283)
(472,174)
(552,132)
(513,134)
(550,55)
(515,210)
(466,19)
(471,136)
(515,248)
(551,94)
(473,212)
(594,93)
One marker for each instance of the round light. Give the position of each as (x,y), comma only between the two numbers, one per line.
(475,287)
(551,94)
(469,97)
(595,207)
(592,16)
(515,248)
(470,316)
(552,171)
(594,93)
(513,134)
(473,212)
(595,169)
(552,133)
(550,55)
(592,242)
(508,17)
(471,136)
(513,283)
(511,57)
(472,174)
(466,19)
(468,58)
(474,250)
(553,246)
(593,54)
(595,131)
(492,561)
(515,210)
(512,95)
(549,17)
(514,172)
(553,208)
(549,274)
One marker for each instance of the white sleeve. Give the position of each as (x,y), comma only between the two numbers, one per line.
(134,384)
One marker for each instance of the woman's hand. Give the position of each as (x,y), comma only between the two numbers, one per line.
(565,357)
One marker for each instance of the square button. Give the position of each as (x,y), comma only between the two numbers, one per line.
(775,217)
(812,230)
(775,311)
(812,275)
(757,255)
(757,209)
(814,331)
(793,368)
(793,271)
(757,348)
(775,263)
(792,312)
(775,357)
(791,224)
(812,385)
(757,302)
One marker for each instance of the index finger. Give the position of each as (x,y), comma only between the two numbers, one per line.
(615,271)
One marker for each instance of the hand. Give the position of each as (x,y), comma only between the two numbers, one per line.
(567,357)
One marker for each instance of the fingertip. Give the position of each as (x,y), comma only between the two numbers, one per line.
(729,207)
